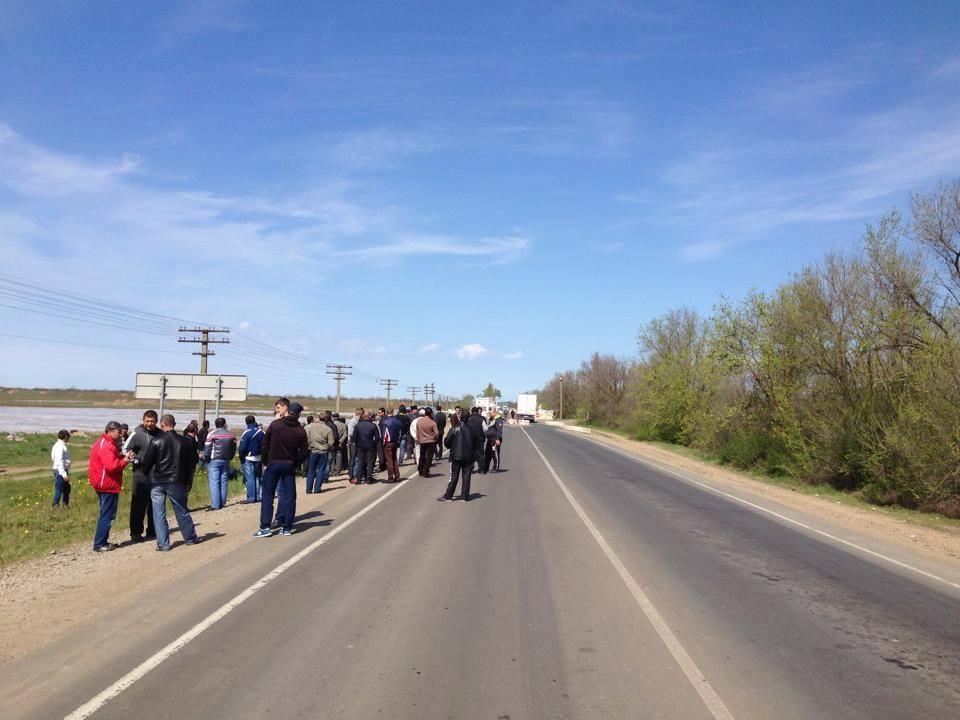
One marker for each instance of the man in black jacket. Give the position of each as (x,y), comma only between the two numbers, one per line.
(169,463)
(366,437)
(440,418)
(405,421)
(462,455)
(138,442)
(335,448)
(284,447)
(478,430)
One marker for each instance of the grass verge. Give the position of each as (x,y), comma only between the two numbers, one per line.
(30,527)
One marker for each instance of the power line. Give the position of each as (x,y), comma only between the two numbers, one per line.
(91,345)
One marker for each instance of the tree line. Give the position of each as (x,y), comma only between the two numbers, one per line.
(847,374)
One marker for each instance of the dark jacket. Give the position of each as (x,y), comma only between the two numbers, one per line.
(221,444)
(475,423)
(495,428)
(366,435)
(251,443)
(405,421)
(336,433)
(285,441)
(139,441)
(392,430)
(170,458)
(460,443)
(440,418)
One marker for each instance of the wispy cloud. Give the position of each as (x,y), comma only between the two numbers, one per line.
(516,355)
(732,193)
(471,351)
(950,68)
(381,147)
(429,348)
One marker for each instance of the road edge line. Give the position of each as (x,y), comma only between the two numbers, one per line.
(112,691)
(696,677)
(780,516)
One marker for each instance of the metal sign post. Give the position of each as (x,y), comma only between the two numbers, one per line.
(219,392)
(163,392)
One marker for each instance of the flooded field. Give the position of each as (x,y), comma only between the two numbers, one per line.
(52,419)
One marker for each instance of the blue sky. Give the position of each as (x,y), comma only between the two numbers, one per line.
(441,192)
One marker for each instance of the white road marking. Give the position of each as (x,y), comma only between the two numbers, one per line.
(87,709)
(694,675)
(780,516)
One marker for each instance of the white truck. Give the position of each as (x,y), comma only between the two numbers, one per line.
(527,406)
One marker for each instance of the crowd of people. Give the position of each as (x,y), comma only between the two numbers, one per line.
(164,462)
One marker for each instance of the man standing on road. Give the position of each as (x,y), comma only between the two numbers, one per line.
(478,429)
(169,463)
(320,439)
(351,445)
(284,447)
(427,437)
(365,438)
(334,448)
(138,443)
(250,444)
(218,451)
(381,453)
(462,456)
(440,418)
(404,419)
(392,432)
(60,457)
(494,440)
(106,477)
(343,442)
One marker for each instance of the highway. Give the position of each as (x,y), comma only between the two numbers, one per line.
(578,583)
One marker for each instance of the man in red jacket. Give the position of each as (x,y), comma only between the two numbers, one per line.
(106,477)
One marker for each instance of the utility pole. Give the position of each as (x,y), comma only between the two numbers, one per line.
(413,393)
(561,397)
(339,372)
(205,342)
(388,384)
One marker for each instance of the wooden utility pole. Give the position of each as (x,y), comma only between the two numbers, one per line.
(388,384)
(340,373)
(205,342)
(561,397)
(413,393)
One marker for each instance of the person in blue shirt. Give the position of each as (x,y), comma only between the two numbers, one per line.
(251,443)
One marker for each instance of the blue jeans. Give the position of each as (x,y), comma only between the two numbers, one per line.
(278,477)
(217,477)
(108,511)
(61,489)
(178,498)
(252,471)
(328,467)
(316,470)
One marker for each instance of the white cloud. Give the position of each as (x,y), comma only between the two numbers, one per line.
(516,355)
(429,347)
(471,351)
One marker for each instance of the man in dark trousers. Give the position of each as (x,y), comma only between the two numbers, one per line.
(494,442)
(284,447)
(138,443)
(335,448)
(404,417)
(462,456)
(391,433)
(427,437)
(440,418)
(366,437)
(169,463)
(478,430)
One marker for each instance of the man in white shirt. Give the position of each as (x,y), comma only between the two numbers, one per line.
(60,456)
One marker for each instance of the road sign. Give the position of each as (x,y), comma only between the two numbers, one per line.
(185,386)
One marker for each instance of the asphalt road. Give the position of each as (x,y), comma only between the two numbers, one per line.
(511,606)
